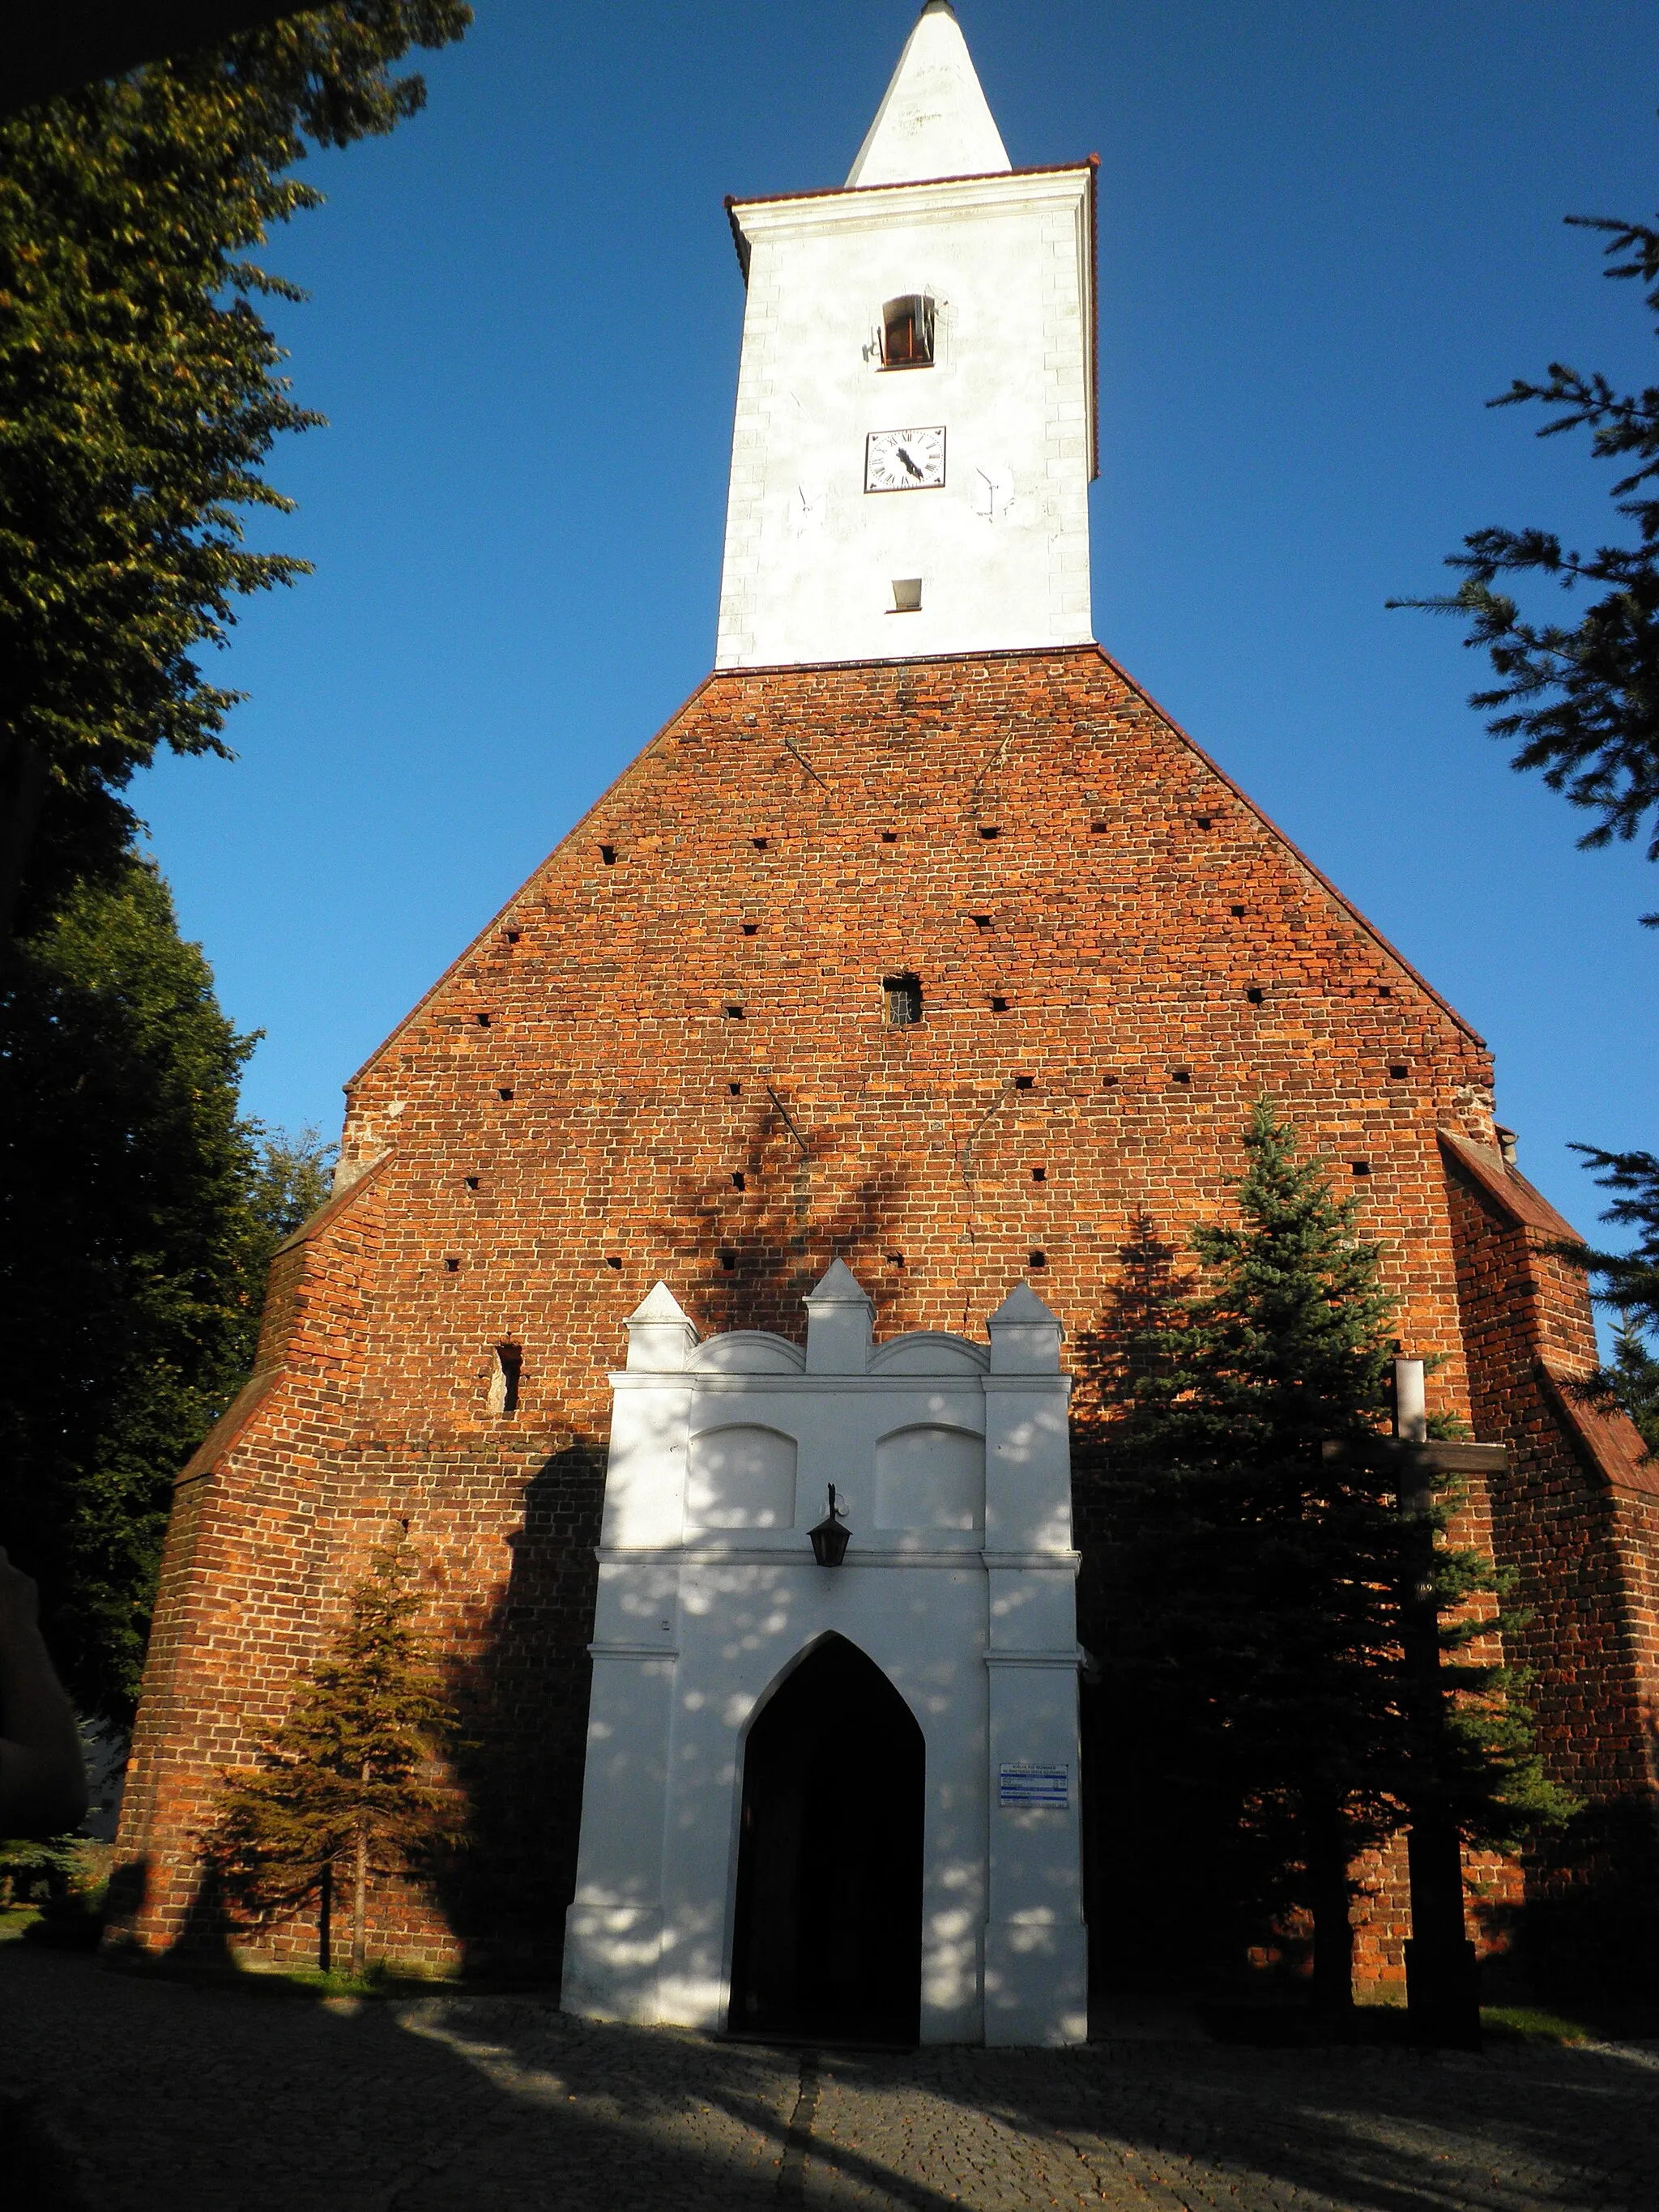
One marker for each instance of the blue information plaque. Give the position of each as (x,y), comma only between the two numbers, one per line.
(1020,1784)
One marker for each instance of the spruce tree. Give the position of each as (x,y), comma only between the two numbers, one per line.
(347,1790)
(1263,1559)
(1629,1288)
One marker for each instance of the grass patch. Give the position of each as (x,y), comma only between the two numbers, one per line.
(1531,2024)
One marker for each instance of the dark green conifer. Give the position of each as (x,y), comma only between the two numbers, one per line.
(348,1790)
(1262,1560)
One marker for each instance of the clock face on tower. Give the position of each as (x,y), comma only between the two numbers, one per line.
(904,460)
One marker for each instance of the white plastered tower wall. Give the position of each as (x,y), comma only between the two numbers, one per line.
(953,1462)
(1001,546)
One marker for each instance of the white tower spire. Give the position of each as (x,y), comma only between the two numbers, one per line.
(915,431)
(934,120)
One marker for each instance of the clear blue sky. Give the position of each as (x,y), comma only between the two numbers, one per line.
(1330,230)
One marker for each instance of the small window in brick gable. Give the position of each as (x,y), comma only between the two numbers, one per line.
(1023,1082)
(902,997)
(1237,913)
(1384,991)
(759,843)
(734,1013)
(1037,1259)
(504,1380)
(608,855)
(989,830)
(472,1183)
(482,1021)
(752,928)
(1398,1071)
(895,1259)
(739,1181)
(1203,821)
(1099,828)
(980,921)
(999,1005)
(1039,1175)
(890,836)
(510,936)
(1108,1083)
(736,1090)
(613,1259)
(728,1261)
(1360,1167)
(1181,1075)
(506,1090)
(1255,994)
(452,1265)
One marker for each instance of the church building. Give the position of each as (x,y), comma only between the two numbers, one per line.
(718,1252)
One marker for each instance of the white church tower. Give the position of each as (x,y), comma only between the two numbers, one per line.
(915,420)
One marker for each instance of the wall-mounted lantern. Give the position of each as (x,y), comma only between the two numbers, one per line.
(830,1537)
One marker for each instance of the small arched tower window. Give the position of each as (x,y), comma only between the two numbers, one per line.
(907,332)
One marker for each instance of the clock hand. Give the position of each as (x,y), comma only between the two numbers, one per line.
(908,462)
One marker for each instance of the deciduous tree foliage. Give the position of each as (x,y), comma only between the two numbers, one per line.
(347,1790)
(1258,1665)
(140,395)
(138,1213)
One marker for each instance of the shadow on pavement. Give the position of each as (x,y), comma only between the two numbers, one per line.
(198,2097)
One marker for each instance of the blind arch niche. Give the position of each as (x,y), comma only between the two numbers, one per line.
(930,1477)
(742,1476)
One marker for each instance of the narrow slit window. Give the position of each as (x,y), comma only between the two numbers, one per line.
(504,1382)
(608,855)
(903,998)
(906,331)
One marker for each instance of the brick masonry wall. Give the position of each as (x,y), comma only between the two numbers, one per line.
(1580,1528)
(668,1058)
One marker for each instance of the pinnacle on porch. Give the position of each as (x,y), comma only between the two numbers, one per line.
(660,1333)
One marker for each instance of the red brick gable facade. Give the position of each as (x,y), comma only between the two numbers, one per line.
(670,1056)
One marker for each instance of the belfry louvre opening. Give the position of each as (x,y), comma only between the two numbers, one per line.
(906,331)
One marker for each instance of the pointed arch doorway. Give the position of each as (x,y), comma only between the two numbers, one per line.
(827,1930)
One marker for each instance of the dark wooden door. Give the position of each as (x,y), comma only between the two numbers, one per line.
(828,1941)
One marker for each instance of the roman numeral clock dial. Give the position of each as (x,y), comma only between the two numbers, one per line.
(904,460)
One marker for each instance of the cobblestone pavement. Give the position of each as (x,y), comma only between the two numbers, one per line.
(175,2098)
